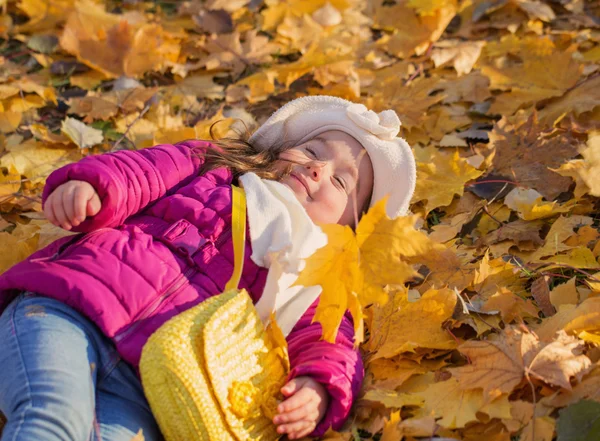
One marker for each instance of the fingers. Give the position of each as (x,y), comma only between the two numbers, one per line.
(298,429)
(307,411)
(94,205)
(49,211)
(293,386)
(298,415)
(68,205)
(80,202)
(57,206)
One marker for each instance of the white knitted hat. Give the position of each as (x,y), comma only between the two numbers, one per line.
(393,161)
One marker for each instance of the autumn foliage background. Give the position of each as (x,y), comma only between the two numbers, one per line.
(481,311)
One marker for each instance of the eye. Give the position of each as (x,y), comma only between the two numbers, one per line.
(340,182)
(312,152)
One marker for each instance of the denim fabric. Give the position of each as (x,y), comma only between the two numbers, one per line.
(62,379)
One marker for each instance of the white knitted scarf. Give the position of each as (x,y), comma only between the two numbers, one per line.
(282,237)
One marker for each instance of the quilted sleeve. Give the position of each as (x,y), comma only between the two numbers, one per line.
(128,181)
(338,366)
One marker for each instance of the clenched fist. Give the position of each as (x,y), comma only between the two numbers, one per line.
(70,203)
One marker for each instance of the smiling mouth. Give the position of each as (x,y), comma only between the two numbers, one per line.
(302,183)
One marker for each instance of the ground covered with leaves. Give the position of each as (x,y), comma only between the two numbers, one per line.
(483,323)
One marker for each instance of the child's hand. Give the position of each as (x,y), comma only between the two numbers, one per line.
(305,405)
(70,203)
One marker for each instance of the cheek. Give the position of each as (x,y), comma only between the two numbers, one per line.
(328,208)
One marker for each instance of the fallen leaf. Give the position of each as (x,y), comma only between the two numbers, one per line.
(416,32)
(335,268)
(10,183)
(384,244)
(564,294)
(525,156)
(541,293)
(395,323)
(573,320)
(35,161)
(82,135)
(392,399)
(463,55)
(582,98)
(538,429)
(457,407)
(497,367)
(529,205)
(440,177)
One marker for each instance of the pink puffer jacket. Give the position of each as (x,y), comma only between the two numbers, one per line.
(160,245)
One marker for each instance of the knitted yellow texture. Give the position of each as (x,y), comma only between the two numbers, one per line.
(213,373)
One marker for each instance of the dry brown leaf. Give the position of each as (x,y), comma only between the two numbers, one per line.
(227,51)
(498,366)
(541,293)
(525,156)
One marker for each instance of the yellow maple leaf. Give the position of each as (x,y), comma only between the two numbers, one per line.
(457,406)
(35,161)
(9,183)
(393,324)
(440,177)
(383,242)
(391,431)
(580,257)
(560,231)
(115,46)
(537,78)
(412,33)
(572,319)
(335,268)
(428,7)
(389,91)
(44,15)
(22,242)
(393,399)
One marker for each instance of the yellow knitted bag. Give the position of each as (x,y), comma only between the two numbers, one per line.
(213,372)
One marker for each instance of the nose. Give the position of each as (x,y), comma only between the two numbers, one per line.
(315,171)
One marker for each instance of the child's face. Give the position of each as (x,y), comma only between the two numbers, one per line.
(332,177)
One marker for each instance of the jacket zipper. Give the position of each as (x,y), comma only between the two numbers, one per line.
(70,243)
(178,283)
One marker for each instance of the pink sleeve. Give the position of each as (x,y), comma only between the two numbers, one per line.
(128,181)
(338,366)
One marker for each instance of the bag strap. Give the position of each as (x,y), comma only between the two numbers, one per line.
(238,234)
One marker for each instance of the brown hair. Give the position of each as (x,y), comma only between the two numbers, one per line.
(237,154)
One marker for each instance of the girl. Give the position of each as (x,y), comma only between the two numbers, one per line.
(76,314)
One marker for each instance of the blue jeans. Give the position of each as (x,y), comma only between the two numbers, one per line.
(62,379)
